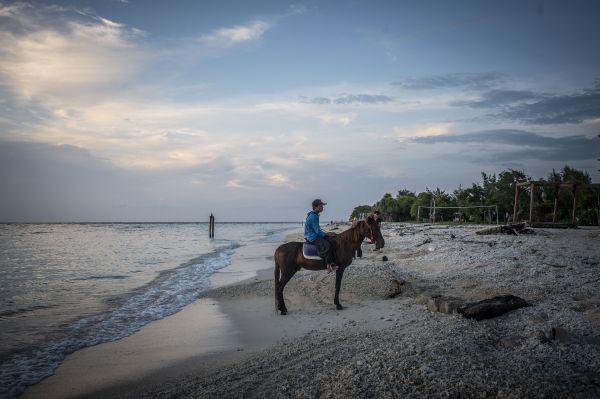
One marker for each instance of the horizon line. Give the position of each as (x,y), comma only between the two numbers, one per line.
(148,222)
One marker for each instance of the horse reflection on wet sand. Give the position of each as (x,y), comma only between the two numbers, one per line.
(289,258)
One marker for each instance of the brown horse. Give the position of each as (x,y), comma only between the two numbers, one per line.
(289,259)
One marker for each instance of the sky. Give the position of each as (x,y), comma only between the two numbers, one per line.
(141,111)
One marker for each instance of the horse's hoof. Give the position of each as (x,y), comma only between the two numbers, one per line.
(283,312)
(339,307)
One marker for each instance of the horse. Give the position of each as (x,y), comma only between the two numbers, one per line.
(289,258)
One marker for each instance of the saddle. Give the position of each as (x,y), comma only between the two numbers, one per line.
(309,251)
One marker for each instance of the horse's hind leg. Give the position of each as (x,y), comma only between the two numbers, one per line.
(286,274)
(276,287)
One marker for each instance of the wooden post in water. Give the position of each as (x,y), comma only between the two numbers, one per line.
(211,226)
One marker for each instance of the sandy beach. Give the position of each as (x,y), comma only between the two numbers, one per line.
(391,340)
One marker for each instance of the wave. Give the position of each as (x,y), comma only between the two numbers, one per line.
(15,312)
(164,296)
(107,277)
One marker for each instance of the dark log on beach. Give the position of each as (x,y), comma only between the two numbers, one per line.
(493,307)
(516,229)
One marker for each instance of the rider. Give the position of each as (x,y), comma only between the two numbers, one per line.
(316,236)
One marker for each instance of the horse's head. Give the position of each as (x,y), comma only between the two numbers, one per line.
(374,230)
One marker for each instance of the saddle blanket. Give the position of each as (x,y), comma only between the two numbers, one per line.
(310,251)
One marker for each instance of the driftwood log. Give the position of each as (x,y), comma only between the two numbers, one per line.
(481,310)
(493,307)
(515,228)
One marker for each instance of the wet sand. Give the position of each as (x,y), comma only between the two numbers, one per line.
(201,333)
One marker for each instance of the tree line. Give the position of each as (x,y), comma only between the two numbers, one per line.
(496,190)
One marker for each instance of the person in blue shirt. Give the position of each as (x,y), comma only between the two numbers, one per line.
(316,236)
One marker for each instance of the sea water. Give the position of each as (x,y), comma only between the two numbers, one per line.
(64,287)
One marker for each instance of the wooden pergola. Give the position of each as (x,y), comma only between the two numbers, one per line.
(557,186)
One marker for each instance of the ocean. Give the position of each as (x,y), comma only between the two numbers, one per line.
(64,287)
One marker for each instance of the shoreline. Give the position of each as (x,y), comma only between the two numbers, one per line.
(200,333)
(389,342)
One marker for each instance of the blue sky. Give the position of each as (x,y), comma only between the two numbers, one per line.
(168,111)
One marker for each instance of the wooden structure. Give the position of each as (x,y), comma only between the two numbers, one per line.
(557,186)
(514,229)
(458,208)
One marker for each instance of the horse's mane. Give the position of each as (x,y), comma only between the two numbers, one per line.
(353,234)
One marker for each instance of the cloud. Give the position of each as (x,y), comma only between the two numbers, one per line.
(227,37)
(316,100)
(570,108)
(70,159)
(363,99)
(278,179)
(216,42)
(58,55)
(518,145)
(45,57)
(409,133)
(44,182)
(470,80)
(295,9)
(496,98)
(49,183)
(234,184)
(538,108)
(349,99)
(342,120)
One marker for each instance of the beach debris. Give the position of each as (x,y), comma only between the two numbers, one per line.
(397,288)
(555,265)
(512,341)
(384,258)
(515,229)
(426,241)
(488,243)
(485,309)
(493,307)
(445,304)
(564,336)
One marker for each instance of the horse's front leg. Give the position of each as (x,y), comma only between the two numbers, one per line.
(338,283)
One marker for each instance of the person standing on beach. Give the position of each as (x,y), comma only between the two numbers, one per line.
(379,241)
(314,235)
(358,252)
